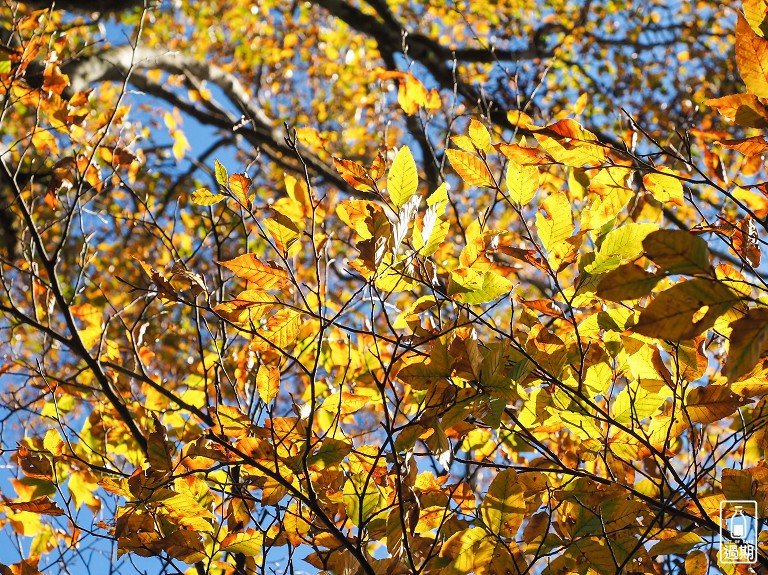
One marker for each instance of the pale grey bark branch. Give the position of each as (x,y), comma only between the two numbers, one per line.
(118,63)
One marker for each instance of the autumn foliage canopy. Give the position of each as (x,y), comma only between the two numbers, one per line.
(381,287)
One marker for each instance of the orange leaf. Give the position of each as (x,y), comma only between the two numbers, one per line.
(747,146)
(752,58)
(353,173)
(471,168)
(240,184)
(41,505)
(744,109)
(268,383)
(265,276)
(53,79)
(282,329)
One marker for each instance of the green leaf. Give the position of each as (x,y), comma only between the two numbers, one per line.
(748,342)
(403,179)
(635,403)
(362,498)
(221,175)
(678,251)
(503,506)
(468,550)
(474,287)
(620,244)
(626,241)
(331,453)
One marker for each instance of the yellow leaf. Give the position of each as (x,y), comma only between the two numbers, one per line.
(170,121)
(471,168)
(756,13)
(402,180)
(221,174)
(247,542)
(267,383)
(570,144)
(53,442)
(681,542)
(664,187)
(283,230)
(298,192)
(411,94)
(696,563)
(357,214)
(554,221)
(752,58)
(83,488)
(265,276)
(180,144)
(282,328)
(757,203)
(184,280)
(608,194)
(479,135)
(311,138)
(204,197)
(522,182)
(187,512)
(248,306)
(433,101)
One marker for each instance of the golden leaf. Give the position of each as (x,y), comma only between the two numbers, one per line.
(470,168)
